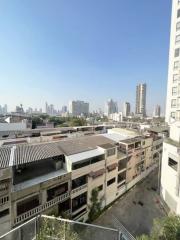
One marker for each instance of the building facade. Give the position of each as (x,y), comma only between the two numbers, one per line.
(78,108)
(126,109)
(57,177)
(173,87)
(141,100)
(170,170)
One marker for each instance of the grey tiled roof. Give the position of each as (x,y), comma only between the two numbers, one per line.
(26,153)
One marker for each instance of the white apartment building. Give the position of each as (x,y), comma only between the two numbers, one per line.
(126,109)
(111,107)
(116,117)
(170,171)
(141,100)
(78,108)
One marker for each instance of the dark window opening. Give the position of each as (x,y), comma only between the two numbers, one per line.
(27,205)
(121,177)
(111,181)
(173,164)
(57,191)
(87,162)
(79,181)
(4,213)
(79,201)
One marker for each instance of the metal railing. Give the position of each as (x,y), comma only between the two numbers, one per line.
(35,211)
(79,188)
(51,228)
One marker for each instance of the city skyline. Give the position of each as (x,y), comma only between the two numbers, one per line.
(55,56)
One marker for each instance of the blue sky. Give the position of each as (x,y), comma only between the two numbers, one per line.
(61,50)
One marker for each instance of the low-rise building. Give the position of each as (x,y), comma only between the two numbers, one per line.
(58,177)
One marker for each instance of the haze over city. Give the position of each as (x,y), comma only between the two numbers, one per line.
(83,50)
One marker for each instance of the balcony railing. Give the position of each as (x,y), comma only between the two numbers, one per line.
(51,228)
(41,208)
(79,188)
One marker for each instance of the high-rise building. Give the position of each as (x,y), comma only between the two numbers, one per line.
(157,111)
(173,88)
(78,108)
(3,110)
(170,169)
(111,107)
(64,109)
(141,100)
(127,109)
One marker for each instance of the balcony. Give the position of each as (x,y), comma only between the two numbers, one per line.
(35,211)
(83,187)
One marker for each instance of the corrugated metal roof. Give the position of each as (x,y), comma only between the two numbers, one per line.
(5,153)
(30,153)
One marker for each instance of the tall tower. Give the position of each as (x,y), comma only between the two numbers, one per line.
(111,107)
(126,109)
(141,100)
(173,87)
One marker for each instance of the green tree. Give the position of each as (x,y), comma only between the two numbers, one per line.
(167,228)
(95,207)
(56,229)
(36,121)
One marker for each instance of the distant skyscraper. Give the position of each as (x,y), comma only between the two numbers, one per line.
(157,111)
(77,108)
(111,107)
(127,109)
(64,109)
(141,100)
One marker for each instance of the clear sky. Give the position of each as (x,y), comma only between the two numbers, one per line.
(92,50)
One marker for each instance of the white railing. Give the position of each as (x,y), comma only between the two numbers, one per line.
(79,189)
(41,208)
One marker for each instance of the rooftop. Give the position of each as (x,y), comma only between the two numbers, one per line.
(83,144)
(26,153)
(159,129)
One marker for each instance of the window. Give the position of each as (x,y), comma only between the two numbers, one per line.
(178,26)
(176,64)
(100,188)
(121,177)
(173,114)
(176,52)
(4,213)
(173,164)
(87,162)
(111,152)
(175,78)
(79,181)
(122,164)
(173,103)
(28,204)
(177,39)
(178,13)
(111,181)
(174,91)
(57,191)
(79,201)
